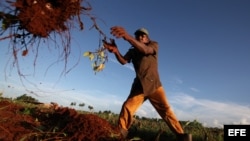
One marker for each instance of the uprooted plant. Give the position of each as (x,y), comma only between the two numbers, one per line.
(27,23)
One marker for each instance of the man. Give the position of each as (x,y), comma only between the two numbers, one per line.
(147,84)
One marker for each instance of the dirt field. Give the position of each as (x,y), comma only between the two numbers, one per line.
(18,123)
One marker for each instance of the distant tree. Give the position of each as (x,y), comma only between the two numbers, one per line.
(136,117)
(24,97)
(82,104)
(107,112)
(194,123)
(90,108)
(73,104)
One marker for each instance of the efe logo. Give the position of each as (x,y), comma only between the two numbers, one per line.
(237,132)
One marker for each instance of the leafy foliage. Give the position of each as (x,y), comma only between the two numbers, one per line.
(82,104)
(26,98)
(98,58)
(90,107)
(73,104)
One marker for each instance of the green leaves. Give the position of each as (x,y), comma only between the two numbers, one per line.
(7,20)
(98,58)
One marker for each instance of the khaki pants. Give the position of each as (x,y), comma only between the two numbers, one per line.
(159,100)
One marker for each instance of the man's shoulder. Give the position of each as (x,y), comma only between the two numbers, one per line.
(153,42)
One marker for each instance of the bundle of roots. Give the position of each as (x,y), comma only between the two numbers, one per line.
(41,17)
(29,21)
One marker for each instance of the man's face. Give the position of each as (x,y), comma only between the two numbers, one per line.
(143,38)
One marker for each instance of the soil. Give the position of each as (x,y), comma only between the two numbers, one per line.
(19,123)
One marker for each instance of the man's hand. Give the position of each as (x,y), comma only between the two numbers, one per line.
(111,47)
(119,32)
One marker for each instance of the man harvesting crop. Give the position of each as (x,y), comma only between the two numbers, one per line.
(147,85)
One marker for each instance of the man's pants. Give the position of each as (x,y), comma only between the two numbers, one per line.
(159,100)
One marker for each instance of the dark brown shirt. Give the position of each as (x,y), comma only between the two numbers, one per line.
(146,67)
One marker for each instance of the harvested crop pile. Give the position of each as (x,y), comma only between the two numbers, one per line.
(64,124)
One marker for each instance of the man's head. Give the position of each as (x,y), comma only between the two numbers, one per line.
(142,35)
